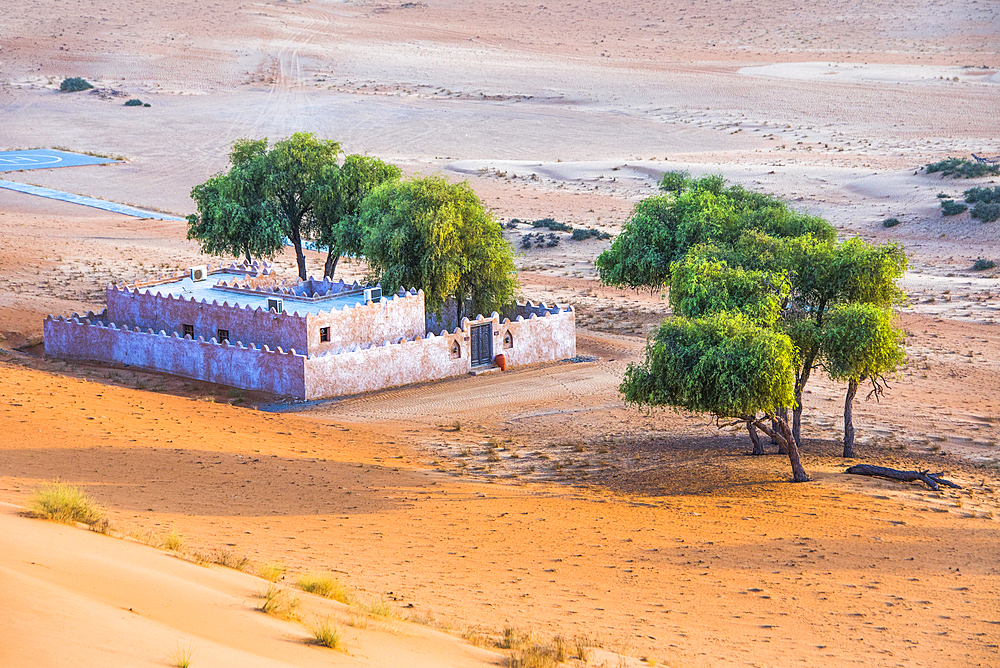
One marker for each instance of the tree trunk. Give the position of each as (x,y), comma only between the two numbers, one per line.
(932,480)
(246,250)
(852,389)
(783,414)
(800,384)
(296,238)
(332,258)
(758,447)
(784,433)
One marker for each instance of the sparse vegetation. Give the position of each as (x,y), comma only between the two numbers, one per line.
(326,586)
(982,264)
(68,505)
(74,85)
(581,234)
(181,658)
(134,102)
(279,603)
(328,634)
(891,222)
(963,168)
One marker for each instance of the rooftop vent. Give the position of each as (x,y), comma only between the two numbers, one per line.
(274,304)
(199,273)
(373,295)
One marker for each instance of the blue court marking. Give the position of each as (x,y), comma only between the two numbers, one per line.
(46,158)
(86,201)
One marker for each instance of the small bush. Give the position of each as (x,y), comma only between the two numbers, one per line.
(74,84)
(534,656)
(950,207)
(325,585)
(146,104)
(963,168)
(551,224)
(328,635)
(271,571)
(891,222)
(380,609)
(513,223)
(986,212)
(278,603)
(987,194)
(181,658)
(675,181)
(982,265)
(67,504)
(133,103)
(580,234)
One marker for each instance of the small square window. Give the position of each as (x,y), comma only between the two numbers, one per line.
(188,331)
(221,335)
(324,334)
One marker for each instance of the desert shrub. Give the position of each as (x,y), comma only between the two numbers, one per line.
(74,84)
(67,504)
(579,234)
(328,635)
(325,585)
(987,194)
(982,264)
(986,212)
(380,609)
(950,207)
(891,222)
(534,656)
(963,168)
(134,103)
(551,224)
(674,181)
(943,196)
(526,240)
(513,223)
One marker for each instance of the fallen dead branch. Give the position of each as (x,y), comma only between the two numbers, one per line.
(932,480)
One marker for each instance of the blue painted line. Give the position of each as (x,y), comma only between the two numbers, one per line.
(46,158)
(85,201)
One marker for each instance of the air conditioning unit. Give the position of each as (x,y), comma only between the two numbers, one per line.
(275,304)
(199,273)
(373,295)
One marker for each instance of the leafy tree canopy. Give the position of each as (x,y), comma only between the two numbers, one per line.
(437,236)
(703,287)
(861,342)
(235,216)
(336,219)
(722,364)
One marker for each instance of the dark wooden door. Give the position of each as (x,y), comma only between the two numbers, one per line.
(482,344)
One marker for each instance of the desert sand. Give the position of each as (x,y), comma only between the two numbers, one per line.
(532,499)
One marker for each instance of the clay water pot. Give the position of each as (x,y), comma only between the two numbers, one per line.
(501,361)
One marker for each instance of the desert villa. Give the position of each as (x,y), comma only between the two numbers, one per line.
(241,326)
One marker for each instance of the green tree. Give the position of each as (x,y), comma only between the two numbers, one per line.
(235,216)
(299,170)
(336,218)
(437,236)
(724,365)
(263,188)
(702,286)
(860,343)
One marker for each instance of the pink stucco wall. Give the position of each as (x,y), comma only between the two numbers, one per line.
(545,335)
(395,317)
(245,367)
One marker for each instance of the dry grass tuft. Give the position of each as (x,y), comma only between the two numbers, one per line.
(173,541)
(69,505)
(326,585)
(271,571)
(278,603)
(328,634)
(228,558)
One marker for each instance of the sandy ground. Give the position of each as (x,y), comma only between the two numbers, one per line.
(531,499)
